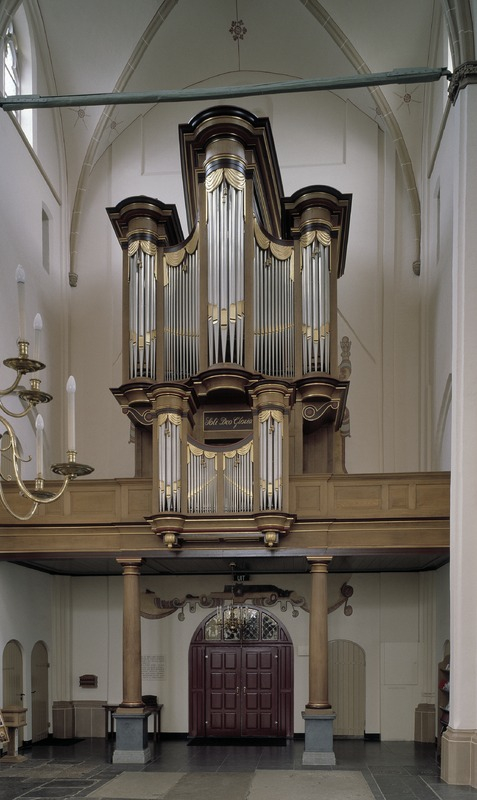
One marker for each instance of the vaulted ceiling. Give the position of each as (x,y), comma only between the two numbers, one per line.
(150,45)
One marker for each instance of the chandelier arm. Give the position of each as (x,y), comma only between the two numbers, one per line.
(10,510)
(36,498)
(4,392)
(15,414)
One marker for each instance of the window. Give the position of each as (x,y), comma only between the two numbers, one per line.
(17,69)
(11,78)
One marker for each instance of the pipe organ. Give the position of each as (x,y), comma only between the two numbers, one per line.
(236,321)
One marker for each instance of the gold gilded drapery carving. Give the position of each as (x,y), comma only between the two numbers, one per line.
(265,415)
(199,453)
(147,247)
(232,176)
(240,451)
(322,236)
(174,419)
(282,252)
(176,258)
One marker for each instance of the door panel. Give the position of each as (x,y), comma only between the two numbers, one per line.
(260,701)
(241,691)
(222,677)
(13,694)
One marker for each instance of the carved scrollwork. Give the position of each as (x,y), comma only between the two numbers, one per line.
(462,76)
(154,607)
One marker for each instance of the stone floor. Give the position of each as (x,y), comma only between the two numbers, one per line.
(363,771)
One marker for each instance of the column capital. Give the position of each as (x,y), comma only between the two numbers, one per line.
(462,76)
(131,566)
(319,563)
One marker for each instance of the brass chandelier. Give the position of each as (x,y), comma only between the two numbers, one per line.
(10,447)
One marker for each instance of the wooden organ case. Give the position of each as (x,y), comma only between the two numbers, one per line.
(230,344)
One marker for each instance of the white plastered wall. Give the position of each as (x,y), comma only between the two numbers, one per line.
(384,622)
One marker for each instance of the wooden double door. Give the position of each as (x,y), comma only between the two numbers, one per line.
(241,676)
(241,691)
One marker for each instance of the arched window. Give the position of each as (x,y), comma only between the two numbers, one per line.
(11,77)
(17,66)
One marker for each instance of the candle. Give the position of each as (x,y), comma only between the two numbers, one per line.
(20,279)
(39,425)
(37,328)
(70,390)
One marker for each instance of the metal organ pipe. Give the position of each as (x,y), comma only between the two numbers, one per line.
(181,312)
(142,309)
(225,242)
(316,307)
(169,445)
(273,309)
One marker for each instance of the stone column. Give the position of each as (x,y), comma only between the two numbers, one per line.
(131,721)
(318,715)
(459,742)
(131,634)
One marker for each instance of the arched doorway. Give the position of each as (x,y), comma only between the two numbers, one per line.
(241,675)
(12,678)
(39,692)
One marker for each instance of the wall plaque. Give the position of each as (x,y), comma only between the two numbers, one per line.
(228,421)
(153,667)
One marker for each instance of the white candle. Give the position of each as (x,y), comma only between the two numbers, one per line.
(37,328)
(20,279)
(70,390)
(39,425)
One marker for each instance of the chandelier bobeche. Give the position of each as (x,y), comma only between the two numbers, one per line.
(10,446)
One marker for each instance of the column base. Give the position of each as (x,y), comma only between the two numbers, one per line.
(459,757)
(318,738)
(131,739)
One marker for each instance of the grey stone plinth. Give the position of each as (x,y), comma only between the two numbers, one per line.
(131,739)
(318,738)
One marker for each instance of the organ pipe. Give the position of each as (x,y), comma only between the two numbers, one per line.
(142,309)
(181,311)
(315,275)
(273,310)
(169,458)
(225,243)
(271,460)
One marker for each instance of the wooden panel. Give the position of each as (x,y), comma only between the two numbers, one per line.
(93,503)
(398,496)
(309,498)
(431,498)
(347,687)
(358,497)
(139,503)
(12,675)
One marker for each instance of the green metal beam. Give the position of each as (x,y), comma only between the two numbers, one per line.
(414,75)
